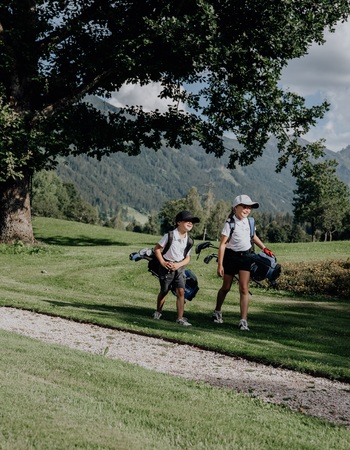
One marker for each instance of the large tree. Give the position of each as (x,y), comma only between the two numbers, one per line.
(53,53)
(321,199)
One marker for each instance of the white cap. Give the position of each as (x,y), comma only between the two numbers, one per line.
(244,200)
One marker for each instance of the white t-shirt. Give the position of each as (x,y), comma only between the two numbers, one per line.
(240,239)
(177,248)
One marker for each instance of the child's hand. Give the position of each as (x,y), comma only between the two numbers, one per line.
(220,271)
(268,252)
(174,266)
(170,265)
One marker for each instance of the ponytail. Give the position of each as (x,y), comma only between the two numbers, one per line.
(232,213)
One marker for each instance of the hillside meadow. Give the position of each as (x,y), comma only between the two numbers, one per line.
(83,272)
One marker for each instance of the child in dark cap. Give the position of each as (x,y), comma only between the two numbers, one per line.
(173,262)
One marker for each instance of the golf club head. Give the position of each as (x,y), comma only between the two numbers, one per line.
(202,246)
(135,256)
(208,258)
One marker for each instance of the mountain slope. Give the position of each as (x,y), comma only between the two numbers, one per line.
(146,181)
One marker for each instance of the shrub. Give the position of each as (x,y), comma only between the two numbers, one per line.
(321,278)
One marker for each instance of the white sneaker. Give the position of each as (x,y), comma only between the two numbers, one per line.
(243,325)
(183,322)
(157,315)
(217,316)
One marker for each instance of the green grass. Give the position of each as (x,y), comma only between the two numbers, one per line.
(85,274)
(57,398)
(311,251)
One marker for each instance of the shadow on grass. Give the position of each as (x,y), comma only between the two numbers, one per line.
(328,328)
(81,241)
(143,316)
(293,334)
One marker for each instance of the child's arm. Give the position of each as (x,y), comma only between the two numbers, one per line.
(182,263)
(167,264)
(221,252)
(176,265)
(158,252)
(258,242)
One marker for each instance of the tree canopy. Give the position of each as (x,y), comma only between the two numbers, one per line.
(321,198)
(51,197)
(218,64)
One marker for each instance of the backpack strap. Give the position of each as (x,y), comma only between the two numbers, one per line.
(189,245)
(251,221)
(169,241)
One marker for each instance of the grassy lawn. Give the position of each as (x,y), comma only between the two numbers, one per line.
(55,398)
(85,274)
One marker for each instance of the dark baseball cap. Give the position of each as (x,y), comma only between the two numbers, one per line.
(186,216)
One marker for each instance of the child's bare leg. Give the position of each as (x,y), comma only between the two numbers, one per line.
(244,277)
(180,302)
(223,291)
(160,301)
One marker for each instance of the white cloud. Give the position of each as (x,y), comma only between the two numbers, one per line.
(146,96)
(324,74)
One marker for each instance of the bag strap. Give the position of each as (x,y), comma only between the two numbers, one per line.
(169,241)
(189,245)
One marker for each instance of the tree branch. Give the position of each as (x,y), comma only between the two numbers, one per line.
(50,110)
(61,33)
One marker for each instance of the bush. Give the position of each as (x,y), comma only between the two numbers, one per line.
(321,278)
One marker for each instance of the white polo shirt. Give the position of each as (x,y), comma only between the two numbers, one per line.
(240,239)
(177,248)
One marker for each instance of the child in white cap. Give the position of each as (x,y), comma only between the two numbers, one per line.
(234,257)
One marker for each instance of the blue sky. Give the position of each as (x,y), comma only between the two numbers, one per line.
(324,73)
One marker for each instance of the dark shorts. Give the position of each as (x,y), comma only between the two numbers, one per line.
(171,280)
(236,261)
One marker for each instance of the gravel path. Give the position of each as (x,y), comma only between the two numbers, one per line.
(307,394)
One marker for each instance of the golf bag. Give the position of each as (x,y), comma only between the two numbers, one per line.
(153,265)
(191,286)
(264,266)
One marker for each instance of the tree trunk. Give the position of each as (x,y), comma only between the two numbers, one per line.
(15,211)
(313,231)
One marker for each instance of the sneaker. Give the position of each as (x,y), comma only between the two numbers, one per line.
(243,325)
(217,316)
(157,315)
(183,322)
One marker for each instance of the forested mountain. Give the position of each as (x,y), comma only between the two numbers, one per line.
(146,181)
